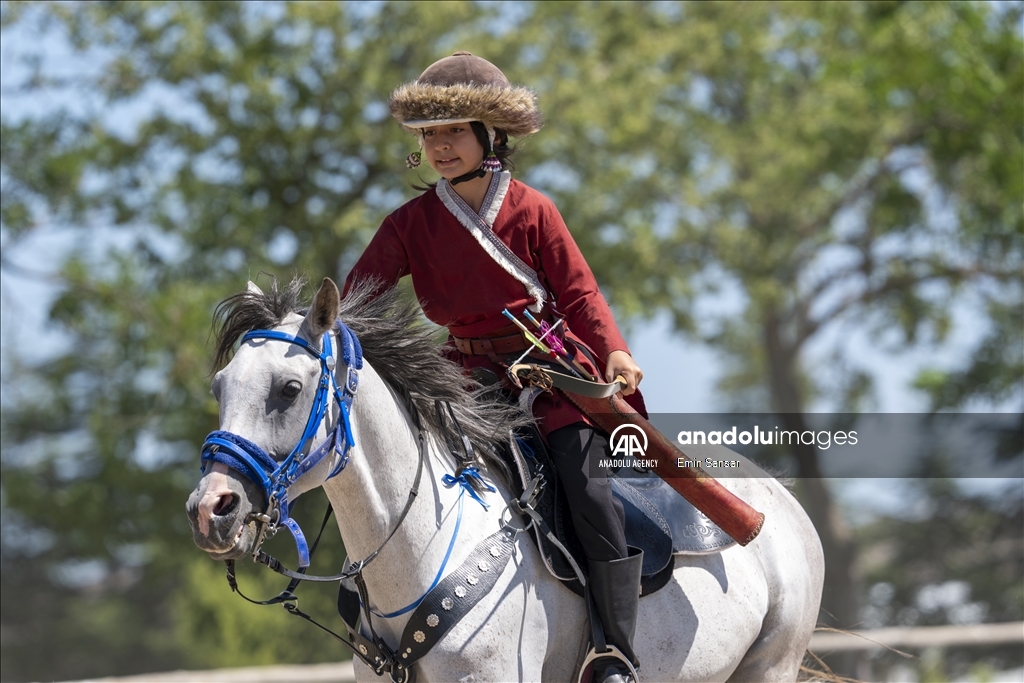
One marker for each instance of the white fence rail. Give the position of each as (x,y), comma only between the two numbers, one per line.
(918,637)
(311,673)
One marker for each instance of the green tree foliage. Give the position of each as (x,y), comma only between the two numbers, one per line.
(828,166)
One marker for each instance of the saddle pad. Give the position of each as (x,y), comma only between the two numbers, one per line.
(692,532)
(658,520)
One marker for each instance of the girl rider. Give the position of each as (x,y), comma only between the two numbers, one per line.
(479,243)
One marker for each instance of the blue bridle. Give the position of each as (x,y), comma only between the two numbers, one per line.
(276,477)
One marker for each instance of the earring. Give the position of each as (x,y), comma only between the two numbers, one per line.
(413,160)
(491,163)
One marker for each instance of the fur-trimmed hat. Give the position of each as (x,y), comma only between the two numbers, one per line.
(464,88)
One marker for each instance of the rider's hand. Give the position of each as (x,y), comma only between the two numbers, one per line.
(621,363)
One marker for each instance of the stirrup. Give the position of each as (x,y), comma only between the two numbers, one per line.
(612,651)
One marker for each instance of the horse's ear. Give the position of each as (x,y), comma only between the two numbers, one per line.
(251,288)
(323,312)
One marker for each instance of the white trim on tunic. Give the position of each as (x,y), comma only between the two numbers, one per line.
(480,226)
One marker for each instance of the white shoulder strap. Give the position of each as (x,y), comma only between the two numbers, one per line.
(480,227)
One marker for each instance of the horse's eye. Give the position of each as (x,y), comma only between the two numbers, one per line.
(292,389)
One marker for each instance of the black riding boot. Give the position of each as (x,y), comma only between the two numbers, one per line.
(615,589)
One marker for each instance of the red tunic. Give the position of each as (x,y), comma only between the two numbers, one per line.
(461,287)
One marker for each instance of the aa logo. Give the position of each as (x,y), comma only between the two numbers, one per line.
(629,441)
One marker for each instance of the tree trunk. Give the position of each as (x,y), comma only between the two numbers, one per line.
(839,603)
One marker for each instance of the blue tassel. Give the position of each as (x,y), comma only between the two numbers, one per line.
(463,481)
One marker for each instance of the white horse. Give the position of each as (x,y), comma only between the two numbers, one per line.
(744,614)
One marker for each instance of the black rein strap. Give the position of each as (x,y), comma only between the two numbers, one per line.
(296,577)
(467,457)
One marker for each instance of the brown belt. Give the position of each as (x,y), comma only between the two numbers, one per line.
(502,342)
(487,346)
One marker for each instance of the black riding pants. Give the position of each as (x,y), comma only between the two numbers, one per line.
(596,514)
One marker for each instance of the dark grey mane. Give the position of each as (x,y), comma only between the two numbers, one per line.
(247,311)
(400,349)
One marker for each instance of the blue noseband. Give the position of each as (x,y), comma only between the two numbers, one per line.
(275,477)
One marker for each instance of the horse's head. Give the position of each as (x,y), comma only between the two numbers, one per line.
(283,417)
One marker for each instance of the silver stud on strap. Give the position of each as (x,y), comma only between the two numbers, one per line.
(460,592)
(419,636)
(432,620)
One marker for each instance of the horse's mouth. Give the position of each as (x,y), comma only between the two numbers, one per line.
(219,514)
(240,547)
(226,537)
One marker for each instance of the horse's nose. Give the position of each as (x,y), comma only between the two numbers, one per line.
(215,499)
(215,512)
(215,504)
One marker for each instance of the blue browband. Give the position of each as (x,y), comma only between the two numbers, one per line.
(275,477)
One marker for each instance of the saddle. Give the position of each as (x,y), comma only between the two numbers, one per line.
(658,520)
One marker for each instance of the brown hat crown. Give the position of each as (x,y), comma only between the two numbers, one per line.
(464,87)
(463,67)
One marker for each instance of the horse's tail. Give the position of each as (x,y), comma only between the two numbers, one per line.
(815,670)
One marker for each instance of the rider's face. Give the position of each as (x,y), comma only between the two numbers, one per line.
(452,150)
